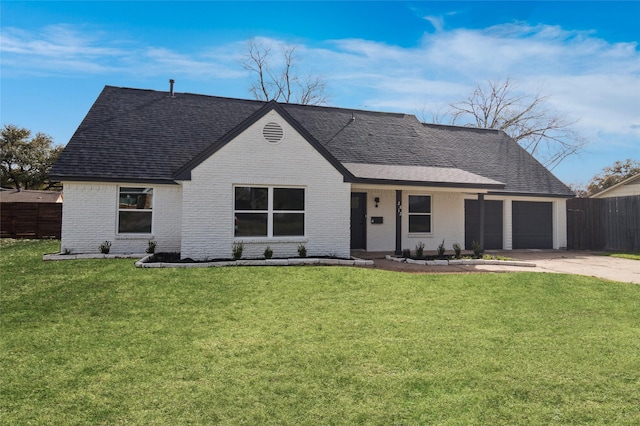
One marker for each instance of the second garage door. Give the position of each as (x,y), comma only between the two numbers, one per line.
(532,225)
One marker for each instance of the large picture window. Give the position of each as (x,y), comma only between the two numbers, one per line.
(135,207)
(268,211)
(419,214)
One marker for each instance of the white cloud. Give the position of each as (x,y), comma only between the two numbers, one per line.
(63,50)
(54,41)
(436,21)
(164,60)
(589,79)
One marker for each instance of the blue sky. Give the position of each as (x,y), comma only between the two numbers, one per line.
(415,57)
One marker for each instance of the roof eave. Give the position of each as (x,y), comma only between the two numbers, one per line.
(396,182)
(123,179)
(531,194)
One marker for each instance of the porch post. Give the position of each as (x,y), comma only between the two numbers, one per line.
(398,221)
(481,207)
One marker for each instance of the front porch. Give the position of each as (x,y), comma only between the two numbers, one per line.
(388,220)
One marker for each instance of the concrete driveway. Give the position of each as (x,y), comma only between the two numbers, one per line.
(569,262)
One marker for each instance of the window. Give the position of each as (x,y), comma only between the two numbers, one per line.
(419,214)
(135,210)
(268,211)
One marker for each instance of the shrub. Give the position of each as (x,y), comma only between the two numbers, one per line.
(105,247)
(457,249)
(151,247)
(302,250)
(406,253)
(477,249)
(420,250)
(441,249)
(237,249)
(268,253)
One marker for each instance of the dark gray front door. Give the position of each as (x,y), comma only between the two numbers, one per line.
(492,224)
(358,220)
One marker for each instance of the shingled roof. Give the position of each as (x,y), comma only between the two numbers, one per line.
(133,135)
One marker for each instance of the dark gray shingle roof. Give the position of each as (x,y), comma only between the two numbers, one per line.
(144,135)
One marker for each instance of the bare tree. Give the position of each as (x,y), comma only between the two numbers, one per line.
(543,132)
(282,83)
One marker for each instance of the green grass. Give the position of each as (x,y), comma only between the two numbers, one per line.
(100,342)
(632,256)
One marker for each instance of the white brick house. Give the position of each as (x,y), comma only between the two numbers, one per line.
(197,174)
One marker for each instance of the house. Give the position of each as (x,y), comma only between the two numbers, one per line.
(199,173)
(626,188)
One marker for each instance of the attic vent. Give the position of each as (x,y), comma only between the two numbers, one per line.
(273,132)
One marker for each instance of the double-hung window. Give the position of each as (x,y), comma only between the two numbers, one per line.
(135,210)
(269,211)
(419,214)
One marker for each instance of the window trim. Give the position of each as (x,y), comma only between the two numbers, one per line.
(150,210)
(430,214)
(270,213)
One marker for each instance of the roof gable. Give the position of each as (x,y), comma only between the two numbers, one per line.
(184,173)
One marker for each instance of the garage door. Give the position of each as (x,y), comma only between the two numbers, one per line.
(532,225)
(492,224)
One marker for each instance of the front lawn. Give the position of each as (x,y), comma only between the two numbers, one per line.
(632,256)
(101,342)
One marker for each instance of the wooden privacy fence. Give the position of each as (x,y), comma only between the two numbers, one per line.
(611,224)
(31,220)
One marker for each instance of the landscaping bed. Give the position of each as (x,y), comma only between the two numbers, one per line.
(172,260)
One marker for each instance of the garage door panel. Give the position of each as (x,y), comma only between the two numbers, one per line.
(532,225)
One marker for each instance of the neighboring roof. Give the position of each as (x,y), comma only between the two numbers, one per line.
(29,196)
(148,136)
(610,192)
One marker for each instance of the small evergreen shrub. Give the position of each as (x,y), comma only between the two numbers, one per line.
(237,249)
(406,253)
(477,249)
(457,249)
(151,247)
(105,247)
(302,250)
(441,249)
(268,253)
(420,250)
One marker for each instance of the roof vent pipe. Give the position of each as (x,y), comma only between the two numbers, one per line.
(171,82)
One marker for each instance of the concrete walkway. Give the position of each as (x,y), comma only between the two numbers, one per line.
(580,263)
(550,261)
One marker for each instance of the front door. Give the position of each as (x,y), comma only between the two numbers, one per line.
(358,221)
(493,227)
